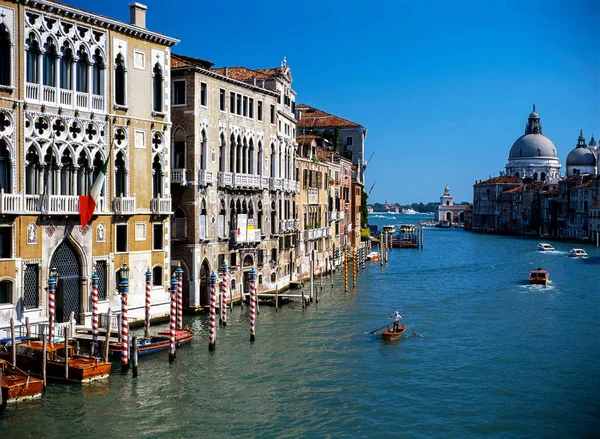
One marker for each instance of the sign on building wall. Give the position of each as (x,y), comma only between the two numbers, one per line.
(242,223)
(250,230)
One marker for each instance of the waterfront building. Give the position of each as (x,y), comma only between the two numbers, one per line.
(534,155)
(448,211)
(594,212)
(486,202)
(233,173)
(80,95)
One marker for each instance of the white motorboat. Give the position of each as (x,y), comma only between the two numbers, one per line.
(578,253)
(389,229)
(544,247)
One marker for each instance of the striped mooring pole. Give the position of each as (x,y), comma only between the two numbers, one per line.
(124,326)
(223,310)
(345,271)
(213,312)
(252,304)
(354,267)
(179,272)
(95,310)
(173,318)
(51,293)
(148,289)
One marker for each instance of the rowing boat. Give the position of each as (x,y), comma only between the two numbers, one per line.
(391,334)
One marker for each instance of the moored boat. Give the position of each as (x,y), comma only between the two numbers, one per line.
(545,247)
(17,386)
(538,276)
(155,343)
(390,334)
(373,256)
(82,368)
(390,229)
(578,253)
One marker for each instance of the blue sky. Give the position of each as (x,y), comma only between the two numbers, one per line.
(444,88)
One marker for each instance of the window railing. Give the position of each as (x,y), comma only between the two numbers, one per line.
(66,97)
(179,176)
(276,184)
(49,94)
(32,91)
(11,203)
(56,95)
(160,206)
(124,205)
(264,182)
(247,180)
(226,178)
(205,177)
(97,103)
(81,99)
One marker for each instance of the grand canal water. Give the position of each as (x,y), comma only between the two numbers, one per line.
(499,358)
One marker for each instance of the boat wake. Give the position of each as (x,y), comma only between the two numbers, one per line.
(539,288)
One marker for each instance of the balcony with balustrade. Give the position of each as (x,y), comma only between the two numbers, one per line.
(179,176)
(48,204)
(276,184)
(160,206)
(225,179)
(124,205)
(205,177)
(60,97)
(10,203)
(247,181)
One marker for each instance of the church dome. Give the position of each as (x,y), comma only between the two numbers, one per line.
(581,155)
(592,142)
(533,145)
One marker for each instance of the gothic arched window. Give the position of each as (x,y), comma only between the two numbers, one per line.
(82,71)
(157,84)
(273,161)
(98,74)
(66,174)
(120,176)
(83,175)
(157,180)
(251,158)
(5,59)
(232,154)
(32,169)
(49,65)
(66,68)
(120,80)
(179,149)
(5,168)
(222,153)
(32,59)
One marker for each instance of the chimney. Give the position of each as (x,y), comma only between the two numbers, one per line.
(225,71)
(137,14)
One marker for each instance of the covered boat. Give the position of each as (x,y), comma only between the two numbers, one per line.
(155,343)
(17,385)
(391,334)
(538,276)
(82,368)
(545,247)
(578,253)
(373,256)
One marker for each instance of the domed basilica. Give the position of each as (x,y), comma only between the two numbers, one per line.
(533,154)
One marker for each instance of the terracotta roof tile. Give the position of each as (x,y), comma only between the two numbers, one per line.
(244,73)
(313,117)
(187,61)
(506,179)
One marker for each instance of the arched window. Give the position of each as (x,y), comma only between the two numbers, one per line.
(66,68)
(84,174)
(66,174)
(203,151)
(251,158)
(6,288)
(120,176)
(157,88)
(222,153)
(157,178)
(180,224)
(98,74)
(273,161)
(32,172)
(259,160)
(157,276)
(543,176)
(238,159)
(98,166)
(82,71)
(32,58)
(120,80)
(244,167)
(5,59)
(5,168)
(535,175)
(50,183)
(273,219)
(232,154)
(49,64)
(179,149)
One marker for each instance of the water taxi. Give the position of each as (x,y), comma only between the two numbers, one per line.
(544,247)
(81,368)
(16,385)
(390,229)
(390,334)
(373,256)
(409,211)
(578,253)
(539,276)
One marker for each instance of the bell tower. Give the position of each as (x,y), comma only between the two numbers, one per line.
(447,199)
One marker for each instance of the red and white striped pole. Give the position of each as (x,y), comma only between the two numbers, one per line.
(213,313)
(95,308)
(124,321)
(173,318)
(252,304)
(51,292)
(179,272)
(224,288)
(148,289)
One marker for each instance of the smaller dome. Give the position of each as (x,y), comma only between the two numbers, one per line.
(581,156)
(533,115)
(592,141)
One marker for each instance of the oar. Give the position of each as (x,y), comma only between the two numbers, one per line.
(379,328)
(420,335)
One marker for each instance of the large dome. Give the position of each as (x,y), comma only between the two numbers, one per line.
(581,157)
(533,145)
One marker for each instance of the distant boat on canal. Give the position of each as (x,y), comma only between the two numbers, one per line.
(390,334)
(544,247)
(538,276)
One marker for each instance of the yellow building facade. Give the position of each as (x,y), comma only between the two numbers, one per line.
(78,90)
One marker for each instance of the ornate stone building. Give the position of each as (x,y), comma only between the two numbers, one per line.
(234,184)
(448,211)
(67,106)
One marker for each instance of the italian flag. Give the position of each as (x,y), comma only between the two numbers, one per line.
(87,203)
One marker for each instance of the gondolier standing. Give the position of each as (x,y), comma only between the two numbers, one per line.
(396,319)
